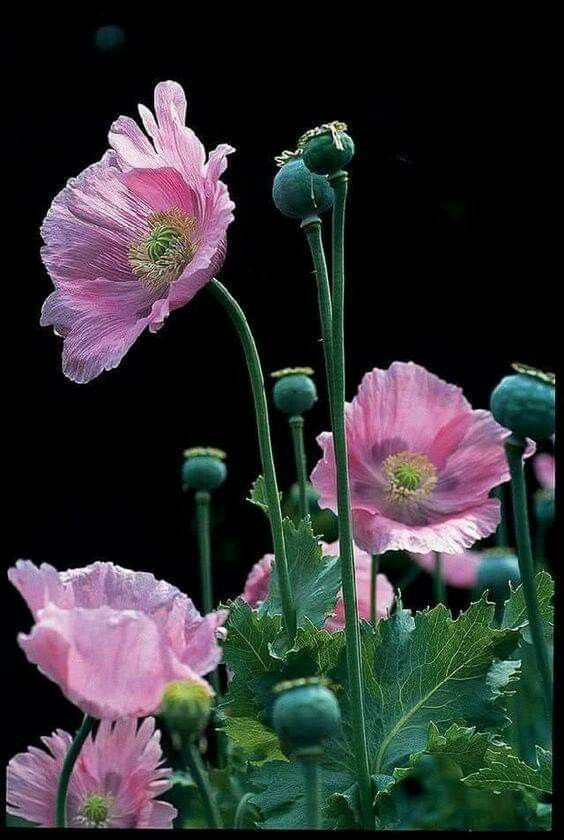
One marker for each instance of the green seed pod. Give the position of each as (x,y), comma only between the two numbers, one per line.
(499,566)
(525,402)
(203,468)
(294,391)
(326,149)
(305,713)
(299,193)
(186,707)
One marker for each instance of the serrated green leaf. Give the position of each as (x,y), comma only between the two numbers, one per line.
(259,742)
(246,652)
(505,771)
(515,613)
(315,579)
(18,822)
(430,668)
(280,794)
(259,496)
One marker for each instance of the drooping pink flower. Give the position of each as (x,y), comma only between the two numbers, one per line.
(544,466)
(256,587)
(458,570)
(114,783)
(421,462)
(112,638)
(134,236)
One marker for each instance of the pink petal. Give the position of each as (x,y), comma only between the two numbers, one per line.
(458,570)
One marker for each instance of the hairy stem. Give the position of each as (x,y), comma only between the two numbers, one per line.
(297,426)
(195,764)
(66,771)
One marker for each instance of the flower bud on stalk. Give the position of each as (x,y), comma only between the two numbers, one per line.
(186,708)
(525,402)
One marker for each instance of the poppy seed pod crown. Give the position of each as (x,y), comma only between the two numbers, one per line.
(525,402)
(294,391)
(326,149)
(305,713)
(203,468)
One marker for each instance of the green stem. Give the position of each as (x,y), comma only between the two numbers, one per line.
(438,582)
(241,811)
(66,771)
(409,577)
(194,762)
(241,325)
(203,499)
(204,546)
(515,450)
(373,588)
(501,535)
(312,229)
(312,786)
(297,426)
(352,626)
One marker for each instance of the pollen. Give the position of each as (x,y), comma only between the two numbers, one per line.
(411,476)
(161,256)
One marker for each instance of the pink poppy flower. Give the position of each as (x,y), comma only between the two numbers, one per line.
(256,587)
(111,638)
(458,570)
(114,783)
(421,462)
(544,466)
(134,236)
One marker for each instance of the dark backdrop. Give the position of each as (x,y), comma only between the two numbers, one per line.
(446,266)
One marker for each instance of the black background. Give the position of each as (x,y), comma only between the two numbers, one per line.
(447,266)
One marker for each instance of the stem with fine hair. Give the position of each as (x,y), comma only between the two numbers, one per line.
(332,321)
(66,771)
(439,590)
(296,422)
(241,325)
(515,449)
(501,535)
(373,587)
(193,760)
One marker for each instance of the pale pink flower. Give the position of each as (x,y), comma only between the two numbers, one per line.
(256,587)
(114,783)
(458,570)
(112,638)
(134,236)
(544,466)
(421,464)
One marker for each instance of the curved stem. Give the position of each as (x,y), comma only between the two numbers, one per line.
(373,590)
(241,811)
(352,627)
(241,325)
(515,449)
(66,771)
(297,426)
(194,762)
(312,786)
(439,590)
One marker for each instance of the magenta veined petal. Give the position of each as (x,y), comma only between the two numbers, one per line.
(111,638)
(134,236)
(114,784)
(544,466)
(422,464)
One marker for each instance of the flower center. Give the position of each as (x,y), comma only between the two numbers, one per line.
(410,475)
(95,810)
(160,258)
